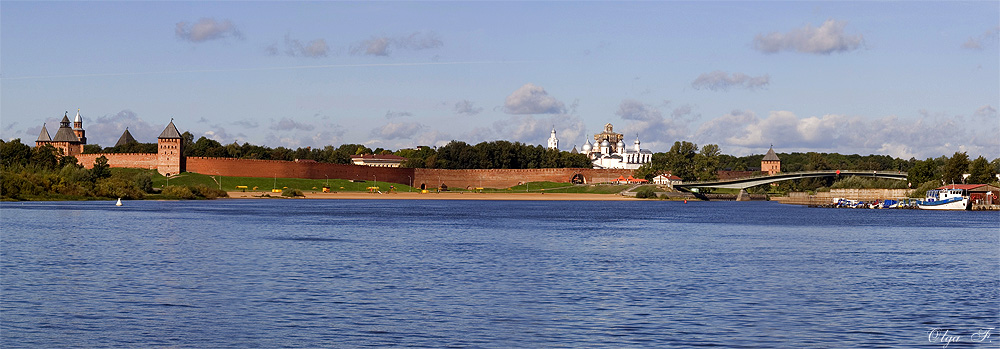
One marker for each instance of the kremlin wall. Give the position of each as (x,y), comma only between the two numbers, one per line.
(419,177)
(426,177)
(168,161)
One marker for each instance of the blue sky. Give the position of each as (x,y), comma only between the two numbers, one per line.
(907,79)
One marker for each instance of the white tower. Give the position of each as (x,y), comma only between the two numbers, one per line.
(553,141)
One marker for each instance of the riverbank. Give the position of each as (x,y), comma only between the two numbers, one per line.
(443,196)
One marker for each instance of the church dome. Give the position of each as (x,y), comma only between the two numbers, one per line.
(587,147)
(605,143)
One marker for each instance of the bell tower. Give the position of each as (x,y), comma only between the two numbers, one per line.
(553,141)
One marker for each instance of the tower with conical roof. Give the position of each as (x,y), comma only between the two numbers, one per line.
(770,164)
(43,137)
(170,151)
(78,128)
(126,138)
(65,139)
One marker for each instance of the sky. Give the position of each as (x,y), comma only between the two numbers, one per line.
(906,79)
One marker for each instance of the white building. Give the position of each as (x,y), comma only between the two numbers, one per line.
(387,160)
(667,179)
(553,141)
(609,151)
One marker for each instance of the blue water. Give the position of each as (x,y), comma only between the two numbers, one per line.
(345,273)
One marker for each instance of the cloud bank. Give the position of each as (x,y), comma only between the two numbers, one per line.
(384,45)
(653,128)
(828,38)
(206,29)
(286,124)
(927,135)
(531,99)
(721,81)
(295,48)
(467,108)
(398,130)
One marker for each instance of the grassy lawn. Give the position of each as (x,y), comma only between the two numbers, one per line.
(590,189)
(266,184)
(308,185)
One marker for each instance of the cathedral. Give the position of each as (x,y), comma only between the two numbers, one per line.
(609,151)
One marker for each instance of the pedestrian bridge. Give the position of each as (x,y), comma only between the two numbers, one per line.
(743,183)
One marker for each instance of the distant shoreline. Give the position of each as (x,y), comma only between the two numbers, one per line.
(446,196)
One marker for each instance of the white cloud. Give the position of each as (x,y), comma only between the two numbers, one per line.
(206,29)
(531,99)
(384,45)
(397,114)
(105,130)
(468,108)
(218,134)
(246,124)
(925,135)
(655,130)
(398,130)
(295,48)
(286,124)
(721,81)
(828,38)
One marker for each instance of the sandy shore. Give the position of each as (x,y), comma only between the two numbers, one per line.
(446,196)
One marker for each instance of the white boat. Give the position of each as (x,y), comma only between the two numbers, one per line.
(119,203)
(946,199)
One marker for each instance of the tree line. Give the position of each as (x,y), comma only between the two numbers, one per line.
(43,173)
(454,155)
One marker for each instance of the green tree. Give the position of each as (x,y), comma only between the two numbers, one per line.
(955,168)
(186,140)
(922,171)
(45,157)
(981,172)
(101,168)
(67,161)
(681,160)
(14,153)
(91,148)
(708,162)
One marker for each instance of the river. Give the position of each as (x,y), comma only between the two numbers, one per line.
(436,273)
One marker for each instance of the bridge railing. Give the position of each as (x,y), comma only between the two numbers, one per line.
(802,173)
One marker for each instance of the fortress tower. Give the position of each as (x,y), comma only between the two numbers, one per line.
(170,151)
(67,140)
(770,163)
(78,129)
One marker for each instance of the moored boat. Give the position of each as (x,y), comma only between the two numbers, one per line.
(946,199)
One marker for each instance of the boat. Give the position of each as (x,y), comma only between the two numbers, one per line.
(119,202)
(946,199)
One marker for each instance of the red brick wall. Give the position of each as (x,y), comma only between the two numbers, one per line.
(293,169)
(432,178)
(131,160)
(314,170)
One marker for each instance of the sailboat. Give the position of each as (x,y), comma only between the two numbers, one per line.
(119,203)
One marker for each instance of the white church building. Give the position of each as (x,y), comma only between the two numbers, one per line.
(609,151)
